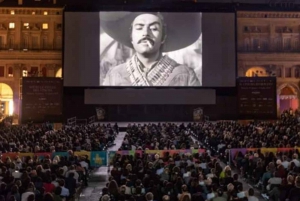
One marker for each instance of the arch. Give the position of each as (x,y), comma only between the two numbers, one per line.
(58,73)
(256,71)
(293,87)
(6,100)
(287,97)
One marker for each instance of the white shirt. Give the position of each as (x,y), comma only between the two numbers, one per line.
(55,183)
(84,164)
(297,163)
(16,174)
(64,191)
(285,164)
(26,195)
(252,198)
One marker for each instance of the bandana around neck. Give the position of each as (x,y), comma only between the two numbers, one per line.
(156,76)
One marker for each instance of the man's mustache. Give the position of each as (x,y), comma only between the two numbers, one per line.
(149,39)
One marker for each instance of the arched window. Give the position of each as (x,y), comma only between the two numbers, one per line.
(297,71)
(24,72)
(25,42)
(58,43)
(296,45)
(256,45)
(278,72)
(10,42)
(44,72)
(264,44)
(247,44)
(10,72)
(278,44)
(44,43)
(287,42)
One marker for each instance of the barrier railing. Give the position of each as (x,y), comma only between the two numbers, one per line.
(92,119)
(98,158)
(71,121)
(81,121)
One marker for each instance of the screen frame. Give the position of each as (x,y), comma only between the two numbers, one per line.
(166,8)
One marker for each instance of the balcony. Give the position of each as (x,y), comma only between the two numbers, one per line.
(4,47)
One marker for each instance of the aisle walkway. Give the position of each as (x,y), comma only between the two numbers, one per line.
(99,177)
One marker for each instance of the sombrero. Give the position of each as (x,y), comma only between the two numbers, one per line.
(182,29)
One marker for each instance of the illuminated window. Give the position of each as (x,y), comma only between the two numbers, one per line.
(24,73)
(10,72)
(33,12)
(26,25)
(45,13)
(11,25)
(45,26)
(12,12)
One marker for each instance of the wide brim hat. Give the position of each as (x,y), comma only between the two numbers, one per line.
(182,29)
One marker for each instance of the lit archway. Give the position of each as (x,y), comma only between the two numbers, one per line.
(58,73)
(288,97)
(6,100)
(256,72)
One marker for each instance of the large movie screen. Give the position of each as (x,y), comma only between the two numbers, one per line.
(149,49)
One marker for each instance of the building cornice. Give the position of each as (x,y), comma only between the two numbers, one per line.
(30,55)
(264,14)
(280,57)
(30,11)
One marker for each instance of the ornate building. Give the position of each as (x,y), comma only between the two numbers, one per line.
(30,45)
(269,45)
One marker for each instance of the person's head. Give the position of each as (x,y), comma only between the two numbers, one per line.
(148,34)
(48,197)
(166,198)
(251,192)
(61,182)
(149,196)
(105,198)
(31,197)
(220,192)
(57,190)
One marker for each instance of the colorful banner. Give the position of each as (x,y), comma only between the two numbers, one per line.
(234,152)
(65,154)
(83,153)
(23,156)
(11,155)
(98,158)
(43,155)
(175,151)
(111,155)
(268,150)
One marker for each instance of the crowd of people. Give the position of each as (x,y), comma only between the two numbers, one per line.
(201,177)
(43,138)
(147,177)
(44,178)
(169,177)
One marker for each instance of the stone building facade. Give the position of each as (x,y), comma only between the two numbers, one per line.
(268,44)
(30,45)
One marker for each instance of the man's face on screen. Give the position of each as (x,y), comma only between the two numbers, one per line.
(147,34)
